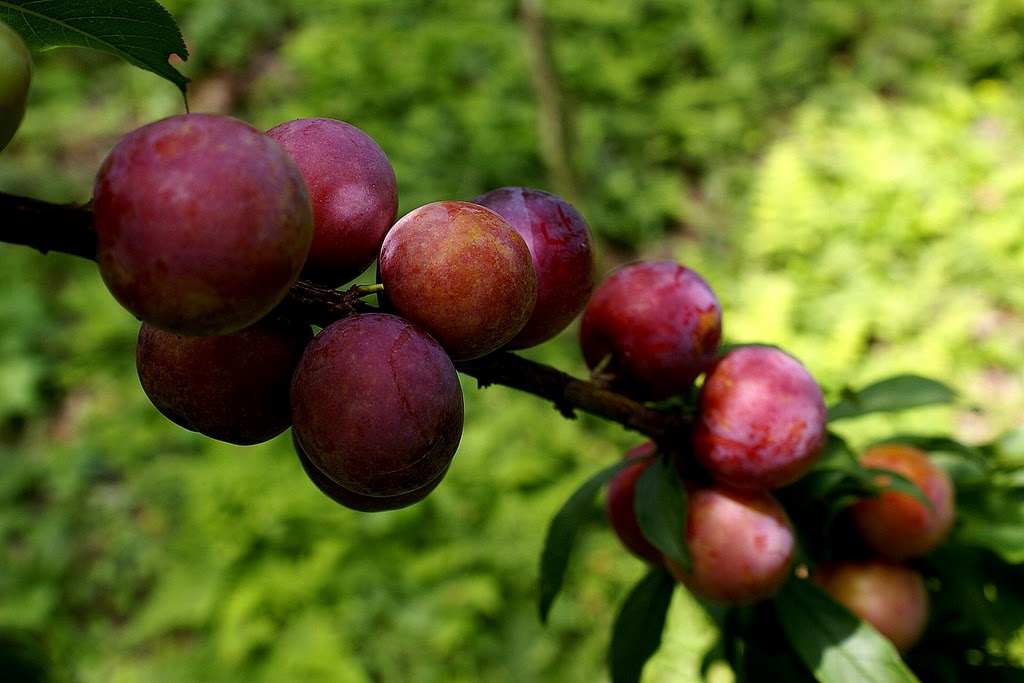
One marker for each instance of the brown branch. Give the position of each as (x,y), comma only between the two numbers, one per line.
(69,229)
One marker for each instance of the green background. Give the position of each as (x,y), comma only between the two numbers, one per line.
(846,175)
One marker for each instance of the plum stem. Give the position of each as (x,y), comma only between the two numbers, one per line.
(69,229)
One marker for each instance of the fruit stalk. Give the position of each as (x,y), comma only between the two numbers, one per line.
(68,229)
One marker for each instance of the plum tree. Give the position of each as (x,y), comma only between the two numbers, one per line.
(462,273)
(232,387)
(742,544)
(15,79)
(354,193)
(762,419)
(202,223)
(377,405)
(890,596)
(562,249)
(619,503)
(652,327)
(898,525)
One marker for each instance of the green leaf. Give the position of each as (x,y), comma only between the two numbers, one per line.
(894,481)
(141,32)
(893,394)
(660,506)
(636,634)
(833,644)
(562,533)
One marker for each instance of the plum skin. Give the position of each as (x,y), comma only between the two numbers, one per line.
(562,249)
(15,79)
(890,596)
(202,223)
(619,503)
(377,405)
(762,419)
(233,387)
(741,542)
(897,525)
(358,501)
(462,273)
(354,193)
(658,321)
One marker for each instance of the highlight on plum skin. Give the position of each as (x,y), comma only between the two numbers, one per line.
(377,405)
(202,223)
(233,387)
(762,419)
(620,499)
(898,525)
(562,249)
(742,545)
(354,193)
(652,327)
(459,271)
(358,501)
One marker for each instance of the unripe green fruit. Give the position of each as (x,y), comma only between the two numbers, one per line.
(15,76)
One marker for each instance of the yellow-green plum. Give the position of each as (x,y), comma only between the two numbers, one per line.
(15,78)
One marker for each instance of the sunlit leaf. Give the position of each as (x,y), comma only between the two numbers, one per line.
(890,395)
(141,32)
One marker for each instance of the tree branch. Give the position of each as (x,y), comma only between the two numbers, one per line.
(69,229)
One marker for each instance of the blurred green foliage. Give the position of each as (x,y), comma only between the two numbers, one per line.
(843,173)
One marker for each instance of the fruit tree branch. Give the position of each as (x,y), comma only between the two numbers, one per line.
(69,229)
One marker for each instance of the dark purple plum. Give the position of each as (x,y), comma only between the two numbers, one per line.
(377,405)
(202,223)
(652,327)
(762,419)
(232,387)
(461,272)
(563,256)
(358,501)
(354,193)
(742,545)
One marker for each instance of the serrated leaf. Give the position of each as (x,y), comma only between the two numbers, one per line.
(660,506)
(141,32)
(833,644)
(893,394)
(636,633)
(562,533)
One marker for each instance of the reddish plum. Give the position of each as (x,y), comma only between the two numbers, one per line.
(653,326)
(562,249)
(619,503)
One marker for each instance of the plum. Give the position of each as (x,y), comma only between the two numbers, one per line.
(377,405)
(898,525)
(202,223)
(459,271)
(15,78)
(562,249)
(354,193)
(890,596)
(232,387)
(358,501)
(619,503)
(762,419)
(741,542)
(652,327)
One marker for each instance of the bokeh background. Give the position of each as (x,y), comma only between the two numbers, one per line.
(847,175)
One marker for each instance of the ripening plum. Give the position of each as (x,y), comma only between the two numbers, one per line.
(562,249)
(358,501)
(741,542)
(354,193)
(202,223)
(377,405)
(653,326)
(762,419)
(897,525)
(619,501)
(459,271)
(15,78)
(232,387)
(890,596)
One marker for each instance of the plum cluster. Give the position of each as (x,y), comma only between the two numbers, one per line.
(204,223)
